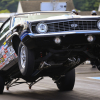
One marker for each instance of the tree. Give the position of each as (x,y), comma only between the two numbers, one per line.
(5,11)
(86,5)
(11,5)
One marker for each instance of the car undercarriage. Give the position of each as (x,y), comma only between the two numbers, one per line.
(55,63)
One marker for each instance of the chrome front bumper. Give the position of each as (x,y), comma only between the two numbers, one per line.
(87,32)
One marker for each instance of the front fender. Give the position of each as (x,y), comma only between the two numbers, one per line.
(23,34)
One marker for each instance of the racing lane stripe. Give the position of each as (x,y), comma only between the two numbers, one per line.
(97,78)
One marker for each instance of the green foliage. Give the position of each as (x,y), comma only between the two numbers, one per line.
(11,5)
(5,11)
(86,5)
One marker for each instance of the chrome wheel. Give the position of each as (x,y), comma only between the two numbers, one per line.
(23,57)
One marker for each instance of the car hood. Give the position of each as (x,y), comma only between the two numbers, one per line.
(65,17)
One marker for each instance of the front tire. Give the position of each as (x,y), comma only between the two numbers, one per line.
(26,60)
(67,83)
(1,85)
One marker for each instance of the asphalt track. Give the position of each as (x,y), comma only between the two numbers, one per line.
(85,88)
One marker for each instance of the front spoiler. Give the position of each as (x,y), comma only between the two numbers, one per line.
(64,33)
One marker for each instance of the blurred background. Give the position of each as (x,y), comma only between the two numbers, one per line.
(83,7)
(10,6)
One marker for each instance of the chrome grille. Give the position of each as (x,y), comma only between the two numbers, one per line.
(66,26)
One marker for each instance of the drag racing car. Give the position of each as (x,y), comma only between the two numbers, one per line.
(38,44)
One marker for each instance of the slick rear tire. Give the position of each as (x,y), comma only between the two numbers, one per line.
(67,83)
(26,60)
(1,85)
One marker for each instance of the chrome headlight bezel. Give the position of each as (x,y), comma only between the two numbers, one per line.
(98,24)
(42,28)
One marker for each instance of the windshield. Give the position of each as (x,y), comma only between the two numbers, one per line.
(36,16)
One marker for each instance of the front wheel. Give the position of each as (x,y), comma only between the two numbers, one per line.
(67,83)
(26,60)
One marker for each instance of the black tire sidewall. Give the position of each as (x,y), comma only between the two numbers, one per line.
(67,83)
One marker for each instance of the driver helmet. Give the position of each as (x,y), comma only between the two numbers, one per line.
(75,12)
(93,12)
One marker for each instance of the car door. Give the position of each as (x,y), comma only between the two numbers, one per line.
(6,49)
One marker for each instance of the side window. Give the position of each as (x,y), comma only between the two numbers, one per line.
(5,28)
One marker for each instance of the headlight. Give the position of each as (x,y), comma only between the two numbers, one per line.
(98,24)
(41,28)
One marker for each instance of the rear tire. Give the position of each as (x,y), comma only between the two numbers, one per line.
(1,85)
(67,83)
(26,60)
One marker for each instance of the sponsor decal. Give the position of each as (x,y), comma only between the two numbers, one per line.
(15,55)
(2,59)
(11,50)
(0,50)
(12,57)
(4,43)
(5,50)
(6,62)
(4,56)
(5,46)
(0,55)
(8,54)
(1,65)
(2,47)
(9,59)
